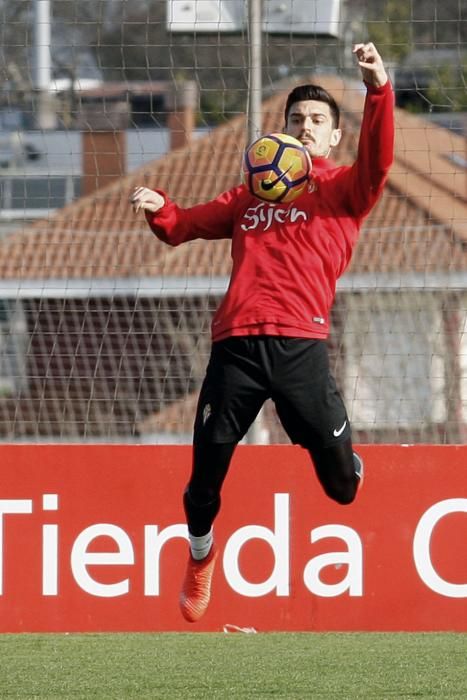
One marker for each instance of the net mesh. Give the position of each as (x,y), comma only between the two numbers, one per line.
(104,331)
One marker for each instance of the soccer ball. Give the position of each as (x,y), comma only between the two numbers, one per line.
(276,168)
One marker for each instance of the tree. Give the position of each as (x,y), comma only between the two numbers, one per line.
(446,91)
(390,28)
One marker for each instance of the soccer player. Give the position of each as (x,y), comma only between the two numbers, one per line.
(269,331)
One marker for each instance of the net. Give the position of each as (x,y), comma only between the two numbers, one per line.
(104,331)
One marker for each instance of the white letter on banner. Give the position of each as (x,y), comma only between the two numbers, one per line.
(278,539)
(153,543)
(10,506)
(353,559)
(81,558)
(50,548)
(421,548)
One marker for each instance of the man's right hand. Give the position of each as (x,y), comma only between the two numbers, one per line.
(147,200)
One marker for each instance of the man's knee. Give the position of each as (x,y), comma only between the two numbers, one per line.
(337,472)
(343,492)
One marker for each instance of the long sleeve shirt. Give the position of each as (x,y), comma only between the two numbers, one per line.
(287,258)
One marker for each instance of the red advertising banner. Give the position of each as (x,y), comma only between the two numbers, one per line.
(92,538)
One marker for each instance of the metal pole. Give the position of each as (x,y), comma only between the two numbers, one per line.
(42,62)
(257,433)
(255,17)
(45,112)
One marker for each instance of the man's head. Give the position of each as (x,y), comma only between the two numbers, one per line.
(312,116)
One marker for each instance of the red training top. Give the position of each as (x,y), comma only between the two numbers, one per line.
(287,257)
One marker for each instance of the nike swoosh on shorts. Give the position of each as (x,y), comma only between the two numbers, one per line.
(336,432)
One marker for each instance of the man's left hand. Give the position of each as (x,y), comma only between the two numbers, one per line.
(371,64)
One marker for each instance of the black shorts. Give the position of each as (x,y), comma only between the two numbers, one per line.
(243,372)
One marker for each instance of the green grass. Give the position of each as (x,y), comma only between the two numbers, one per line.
(233,666)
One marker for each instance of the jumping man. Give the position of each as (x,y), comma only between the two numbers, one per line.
(269,332)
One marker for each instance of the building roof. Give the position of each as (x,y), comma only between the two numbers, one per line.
(419,226)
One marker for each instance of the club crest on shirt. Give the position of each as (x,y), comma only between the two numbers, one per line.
(264,215)
(206,412)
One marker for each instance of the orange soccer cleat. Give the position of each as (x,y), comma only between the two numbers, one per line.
(196,590)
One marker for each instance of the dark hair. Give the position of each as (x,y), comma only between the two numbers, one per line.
(313,92)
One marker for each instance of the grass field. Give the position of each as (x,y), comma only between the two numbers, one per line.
(192,666)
